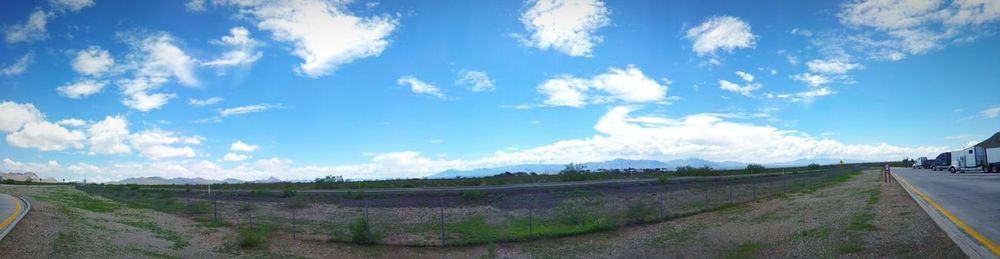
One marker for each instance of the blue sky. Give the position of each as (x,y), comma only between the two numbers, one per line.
(382,89)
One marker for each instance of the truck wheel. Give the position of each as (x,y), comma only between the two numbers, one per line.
(951,169)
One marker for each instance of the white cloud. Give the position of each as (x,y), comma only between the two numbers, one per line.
(814,80)
(14,115)
(567,26)
(46,136)
(246,109)
(50,166)
(233,157)
(243,51)
(82,88)
(195,6)
(155,58)
(745,76)
(204,102)
(805,96)
(158,144)
(745,90)
(108,136)
(72,122)
(831,66)
(92,61)
(20,66)
(477,81)
(419,87)
(626,85)
(71,5)
(32,30)
(915,27)
(239,110)
(726,33)
(991,112)
(324,33)
(240,146)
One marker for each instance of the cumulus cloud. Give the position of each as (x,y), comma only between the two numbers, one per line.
(51,166)
(915,27)
(567,26)
(92,61)
(82,88)
(18,67)
(243,49)
(831,66)
(46,136)
(108,136)
(158,144)
(31,30)
(724,32)
(14,115)
(748,85)
(240,146)
(419,87)
(154,59)
(325,34)
(72,122)
(195,6)
(629,85)
(204,102)
(477,81)
(233,157)
(814,80)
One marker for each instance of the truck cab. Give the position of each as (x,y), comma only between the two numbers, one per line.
(942,162)
(969,159)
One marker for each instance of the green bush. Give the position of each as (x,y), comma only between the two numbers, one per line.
(814,166)
(663,179)
(755,168)
(638,211)
(288,193)
(472,195)
(251,238)
(361,233)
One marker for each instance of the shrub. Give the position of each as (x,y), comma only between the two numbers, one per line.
(361,233)
(573,172)
(288,193)
(663,179)
(814,166)
(472,195)
(257,192)
(755,168)
(638,211)
(251,238)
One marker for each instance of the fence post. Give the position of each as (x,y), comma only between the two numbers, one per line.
(706,195)
(293,223)
(531,227)
(730,188)
(660,197)
(215,210)
(442,220)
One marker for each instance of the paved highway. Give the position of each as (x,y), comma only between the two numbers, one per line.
(11,209)
(972,199)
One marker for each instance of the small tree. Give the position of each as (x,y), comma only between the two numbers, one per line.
(573,172)
(295,204)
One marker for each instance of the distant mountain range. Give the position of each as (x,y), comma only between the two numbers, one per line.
(21,177)
(627,163)
(537,168)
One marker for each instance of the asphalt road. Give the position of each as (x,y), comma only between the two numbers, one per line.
(10,209)
(973,198)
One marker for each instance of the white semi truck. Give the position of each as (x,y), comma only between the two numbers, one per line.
(975,159)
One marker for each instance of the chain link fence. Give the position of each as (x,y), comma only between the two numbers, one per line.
(467,216)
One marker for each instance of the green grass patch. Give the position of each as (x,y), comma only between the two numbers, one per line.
(747,250)
(79,200)
(252,237)
(178,241)
(814,233)
(851,245)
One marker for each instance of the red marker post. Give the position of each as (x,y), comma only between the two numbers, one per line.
(886,174)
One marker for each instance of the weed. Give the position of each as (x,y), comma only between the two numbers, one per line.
(638,211)
(252,237)
(472,195)
(361,233)
(288,193)
(178,241)
(851,245)
(814,233)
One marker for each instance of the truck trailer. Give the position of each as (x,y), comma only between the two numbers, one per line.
(975,159)
(922,163)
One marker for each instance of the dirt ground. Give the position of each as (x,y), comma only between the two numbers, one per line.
(858,218)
